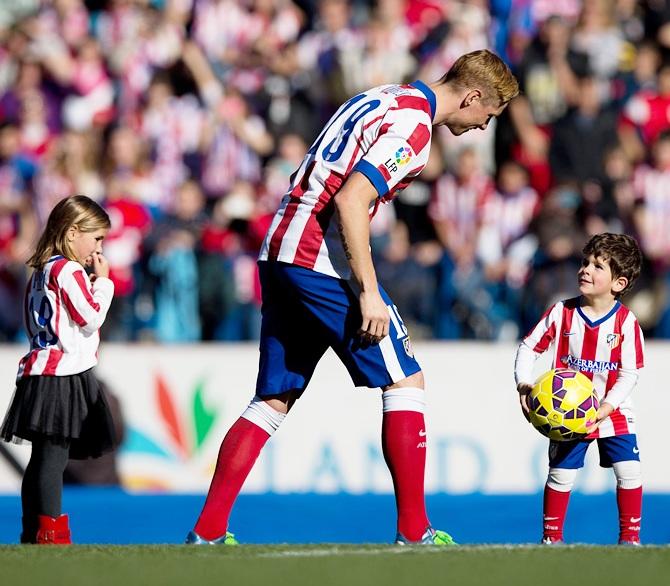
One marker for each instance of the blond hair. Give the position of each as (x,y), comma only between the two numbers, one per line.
(77,210)
(485,71)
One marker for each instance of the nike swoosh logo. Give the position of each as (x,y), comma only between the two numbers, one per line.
(551,518)
(569,333)
(636,450)
(635,519)
(422,433)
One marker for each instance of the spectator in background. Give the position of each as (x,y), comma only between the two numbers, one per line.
(17,229)
(504,249)
(232,239)
(653,220)
(582,136)
(130,225)
(645,116)
(457,210)
(172,248)
(560,237)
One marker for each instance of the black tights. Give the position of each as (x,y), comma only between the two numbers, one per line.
(42,487)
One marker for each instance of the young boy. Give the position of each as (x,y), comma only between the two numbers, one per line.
(598,336)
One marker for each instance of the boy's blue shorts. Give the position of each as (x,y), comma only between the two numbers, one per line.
(303,314)
(618,448)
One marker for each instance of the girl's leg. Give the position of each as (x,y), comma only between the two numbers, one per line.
(50,461)
(42,487)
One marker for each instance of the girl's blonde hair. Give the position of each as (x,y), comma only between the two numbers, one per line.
(77,210)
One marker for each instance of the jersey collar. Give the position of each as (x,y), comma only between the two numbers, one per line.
(430,95)
(608,315)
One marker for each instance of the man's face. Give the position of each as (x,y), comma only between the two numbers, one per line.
(475,112)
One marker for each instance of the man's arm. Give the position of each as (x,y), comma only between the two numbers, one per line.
(352,203)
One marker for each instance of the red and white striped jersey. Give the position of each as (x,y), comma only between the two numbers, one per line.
(598,349)
(383,133)
(62,313)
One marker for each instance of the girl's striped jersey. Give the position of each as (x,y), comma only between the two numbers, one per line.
(62,314)
(383,133)
(599,349)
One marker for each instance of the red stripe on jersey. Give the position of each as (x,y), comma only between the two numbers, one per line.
(83,285)
(564,341)
(317,224)
(72,310)
(639,354)
(412,103)
(289,211)
(385,172)
(589,346)
(419,138)
(56,268)
(545,340)
(52,362)
(383,130)
(28,366)
(619,422)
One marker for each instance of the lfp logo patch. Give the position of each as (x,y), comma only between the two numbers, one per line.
(403,155)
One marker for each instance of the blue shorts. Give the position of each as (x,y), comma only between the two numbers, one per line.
(618,448)
(303,314)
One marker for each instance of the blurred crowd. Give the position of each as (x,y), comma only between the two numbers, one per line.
(185,119)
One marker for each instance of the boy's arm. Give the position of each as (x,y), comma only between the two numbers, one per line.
(532,346)
(632,360)
(523,374)
(623,387)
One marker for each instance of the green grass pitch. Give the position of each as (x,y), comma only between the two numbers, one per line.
(336,565)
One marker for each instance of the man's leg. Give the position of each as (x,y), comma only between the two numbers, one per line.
(237,455)
(404,447)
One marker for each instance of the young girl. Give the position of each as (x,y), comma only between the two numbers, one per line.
(58,405)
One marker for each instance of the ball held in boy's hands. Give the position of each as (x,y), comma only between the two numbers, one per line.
(561,403)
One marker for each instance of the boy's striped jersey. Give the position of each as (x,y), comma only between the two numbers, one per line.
(599,349)
(383,133)
(62,314)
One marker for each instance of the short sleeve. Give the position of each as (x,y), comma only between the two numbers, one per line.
(400,150)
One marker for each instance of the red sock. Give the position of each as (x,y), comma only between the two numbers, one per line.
(404,446)
(629,501)
(239,450)
(555,506)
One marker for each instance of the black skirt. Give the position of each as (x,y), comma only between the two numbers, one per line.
(68,410)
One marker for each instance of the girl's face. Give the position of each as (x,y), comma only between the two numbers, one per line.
(85,244)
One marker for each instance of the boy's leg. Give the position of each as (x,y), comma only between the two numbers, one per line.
(237,455)
(556,497)
(565,458)
(404,447)
(622,454)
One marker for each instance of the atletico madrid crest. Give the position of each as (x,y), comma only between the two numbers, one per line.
(613,340)
(408,347)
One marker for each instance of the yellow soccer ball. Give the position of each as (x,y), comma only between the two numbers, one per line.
(561,402)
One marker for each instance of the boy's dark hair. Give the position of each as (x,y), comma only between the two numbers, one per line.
(621,251)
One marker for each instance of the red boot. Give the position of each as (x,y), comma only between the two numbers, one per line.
(56,531)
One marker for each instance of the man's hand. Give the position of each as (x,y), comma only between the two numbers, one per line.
(603,413)
(524,390)
(375,317)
